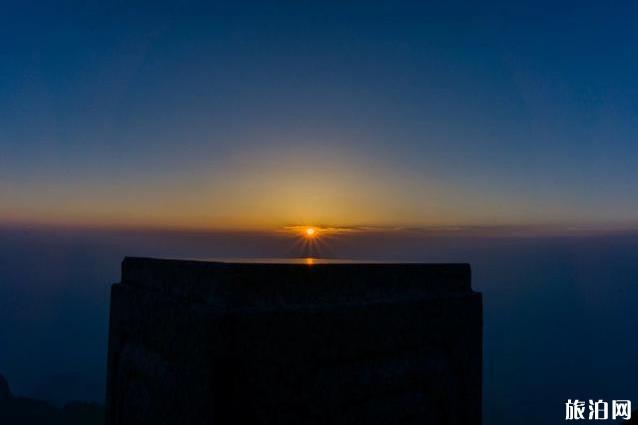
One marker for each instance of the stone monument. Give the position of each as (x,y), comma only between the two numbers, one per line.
(216,343)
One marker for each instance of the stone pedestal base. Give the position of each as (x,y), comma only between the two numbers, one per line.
(284,344)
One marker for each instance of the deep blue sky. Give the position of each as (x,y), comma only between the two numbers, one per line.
(329,113)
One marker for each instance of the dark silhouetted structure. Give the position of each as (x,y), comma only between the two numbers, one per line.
(290,344)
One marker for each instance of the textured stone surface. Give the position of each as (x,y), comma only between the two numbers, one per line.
(220,343)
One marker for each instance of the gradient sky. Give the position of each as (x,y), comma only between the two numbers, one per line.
(262,115)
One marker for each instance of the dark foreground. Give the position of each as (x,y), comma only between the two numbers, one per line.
(27,411)
(560,313)
(289,344)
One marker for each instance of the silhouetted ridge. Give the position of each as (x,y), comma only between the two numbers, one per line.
(27,411)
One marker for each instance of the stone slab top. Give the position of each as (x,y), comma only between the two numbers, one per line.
(258,285)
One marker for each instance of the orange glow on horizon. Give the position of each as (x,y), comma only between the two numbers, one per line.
(310,232)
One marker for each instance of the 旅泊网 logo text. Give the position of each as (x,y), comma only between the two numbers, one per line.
(597,410)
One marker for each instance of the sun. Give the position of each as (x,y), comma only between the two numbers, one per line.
(310,232)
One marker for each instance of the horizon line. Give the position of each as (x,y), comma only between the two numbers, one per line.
(548,229)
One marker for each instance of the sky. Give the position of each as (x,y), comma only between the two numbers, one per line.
(264,115)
